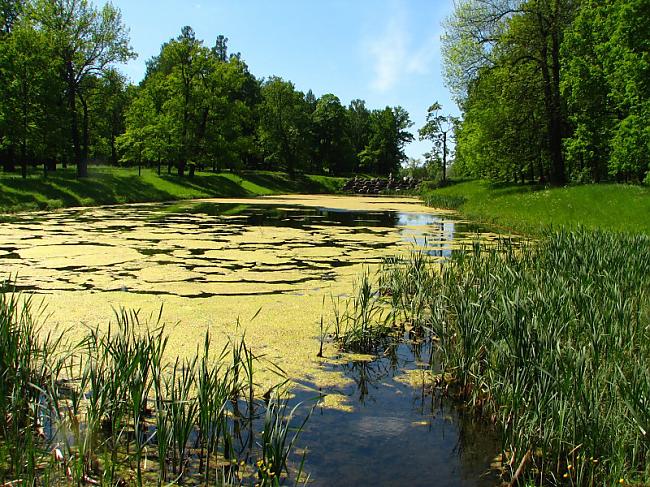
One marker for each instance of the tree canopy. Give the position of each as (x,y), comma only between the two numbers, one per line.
(551,89)
(64,102)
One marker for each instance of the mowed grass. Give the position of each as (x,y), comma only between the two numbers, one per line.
(535,209)
(111,185)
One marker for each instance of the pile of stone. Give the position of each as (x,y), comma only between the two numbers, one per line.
(380,185)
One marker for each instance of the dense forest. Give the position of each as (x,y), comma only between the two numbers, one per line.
(551,90)
(63,102)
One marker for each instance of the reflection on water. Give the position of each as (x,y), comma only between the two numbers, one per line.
(397,433)
(394,433)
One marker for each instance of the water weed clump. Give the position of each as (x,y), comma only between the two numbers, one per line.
(549,340)
(113,411)
(361,321)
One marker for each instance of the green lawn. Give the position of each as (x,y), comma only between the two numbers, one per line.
(533,209)
(110,185)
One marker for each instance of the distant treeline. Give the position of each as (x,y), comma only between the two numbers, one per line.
(551,89)
(63,102)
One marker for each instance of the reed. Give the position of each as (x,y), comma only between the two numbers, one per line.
(361,322)
(112,410)
(446,201)
(278,439)
(28,362)
(548,339)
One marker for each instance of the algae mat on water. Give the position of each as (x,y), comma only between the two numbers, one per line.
(212,263)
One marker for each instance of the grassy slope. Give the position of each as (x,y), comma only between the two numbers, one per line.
(532,209)
(108,185)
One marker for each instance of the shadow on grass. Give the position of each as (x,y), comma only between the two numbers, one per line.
(282,183)
(504,189)
(66,190)
(210,184)
(109,185)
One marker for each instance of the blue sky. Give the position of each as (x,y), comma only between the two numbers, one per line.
(386,52)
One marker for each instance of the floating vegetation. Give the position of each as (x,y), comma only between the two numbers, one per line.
(281,254)
(207,268)
(113,411)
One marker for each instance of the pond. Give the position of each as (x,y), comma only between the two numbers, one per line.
(269,268)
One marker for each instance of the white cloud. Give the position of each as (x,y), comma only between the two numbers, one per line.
(394,54)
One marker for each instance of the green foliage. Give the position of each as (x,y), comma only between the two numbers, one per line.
(112,407)
(551,90)
(388,135)
(438,130)
(630,148)
(63,101)
(502,58)
(87,41)
(361,322)
(605,71)
(333,150)
(284,124)
(547,339)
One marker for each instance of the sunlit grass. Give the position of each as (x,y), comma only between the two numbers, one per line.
(111,185)
(534,209)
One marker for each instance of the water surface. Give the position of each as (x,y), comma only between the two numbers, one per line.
(212,263)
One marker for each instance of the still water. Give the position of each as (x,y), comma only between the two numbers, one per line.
(210,263)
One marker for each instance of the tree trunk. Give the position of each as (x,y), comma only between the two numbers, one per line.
(552,103)
(9,162)
(114,160)
(444,157)
(82,169)
(85,132)
(23,145)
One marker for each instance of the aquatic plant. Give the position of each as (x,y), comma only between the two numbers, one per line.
(27,363)
(446,201)
(278,439)
(360,322)
(114,410)
(549,340)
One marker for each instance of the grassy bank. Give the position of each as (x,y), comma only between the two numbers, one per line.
(111,185)
(548,340)
(533,209)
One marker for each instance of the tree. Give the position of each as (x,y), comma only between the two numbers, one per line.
(438,128)
(29,115)
(358,129)
(605,81)
(220,48)
(10,11)
(332,146)
(487,34)
(87,41)
(109,98)
(283,124)
(384,152)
